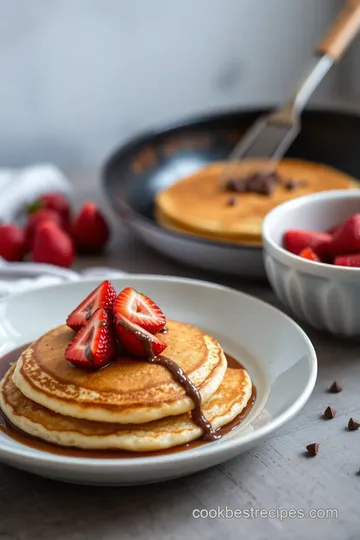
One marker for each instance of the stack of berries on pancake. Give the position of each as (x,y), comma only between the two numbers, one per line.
(118,375)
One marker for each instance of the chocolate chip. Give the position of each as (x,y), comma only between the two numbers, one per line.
(290,185)
(313,449)
(335,388)
(231,201)
(329,413)
(353,425)
(238,185)
(261,183)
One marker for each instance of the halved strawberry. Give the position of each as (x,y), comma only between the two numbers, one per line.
(348,260)
(95,344)
(101,297)
(346,238)
(139,309)
(308,253)
(296,240)
(135,339)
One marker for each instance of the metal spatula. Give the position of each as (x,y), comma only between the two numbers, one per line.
(271,135)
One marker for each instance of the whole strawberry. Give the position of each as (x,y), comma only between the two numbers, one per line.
(12,242)
(38,217)
(52,245)
(90,230)
(56,202)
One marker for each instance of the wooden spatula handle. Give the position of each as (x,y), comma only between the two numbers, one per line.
(343,31)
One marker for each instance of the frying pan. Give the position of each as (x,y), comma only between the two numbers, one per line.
(150,162)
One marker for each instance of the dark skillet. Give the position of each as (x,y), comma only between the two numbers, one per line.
(150,162)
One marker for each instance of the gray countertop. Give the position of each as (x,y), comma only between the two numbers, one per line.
(272,476)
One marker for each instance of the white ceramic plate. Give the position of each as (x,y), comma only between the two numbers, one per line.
(277,353)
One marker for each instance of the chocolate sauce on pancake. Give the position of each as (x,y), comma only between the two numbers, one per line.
(163,330)
(38,444)
(179,376)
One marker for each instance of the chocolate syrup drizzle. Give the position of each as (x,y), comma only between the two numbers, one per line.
(209,434)
(163,330)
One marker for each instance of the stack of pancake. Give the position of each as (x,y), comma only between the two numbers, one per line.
(130,404)
(199,204)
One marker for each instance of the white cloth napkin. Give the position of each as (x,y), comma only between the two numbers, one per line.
(19,188)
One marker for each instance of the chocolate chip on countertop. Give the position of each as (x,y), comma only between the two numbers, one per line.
(353,425)
(329,413)
(335,388)
(313,449)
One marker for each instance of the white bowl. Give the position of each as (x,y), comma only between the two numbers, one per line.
(283,370)
(325,296)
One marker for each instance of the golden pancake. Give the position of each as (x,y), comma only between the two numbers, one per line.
(230,399)
(198,205)
(127,390)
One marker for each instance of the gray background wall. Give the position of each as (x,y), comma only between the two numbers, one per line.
(80,76)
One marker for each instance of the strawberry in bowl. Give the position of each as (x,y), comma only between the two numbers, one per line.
(340,246)
(312,258)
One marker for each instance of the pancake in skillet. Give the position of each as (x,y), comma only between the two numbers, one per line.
(127,390)
(198,205)
(230,399)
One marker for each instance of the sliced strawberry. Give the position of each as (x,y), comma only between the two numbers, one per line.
(135,339)
(95,345)
(333,230)
(296,240)
(346,239)
(101,297)
(308,253)
(348,260)
(139,309)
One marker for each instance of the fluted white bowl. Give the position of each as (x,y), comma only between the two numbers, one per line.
(325,296)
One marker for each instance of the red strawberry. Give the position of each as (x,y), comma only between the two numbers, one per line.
(348,260)
(53,201)
(12,242)
(52,245)
(90,230)
(333,230)
(101,297)
(36,219)
(94,345)
(296,240)
(139,309)
(135,339)
(346,238)
(308,253)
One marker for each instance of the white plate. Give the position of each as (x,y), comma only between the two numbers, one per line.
(277,353)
